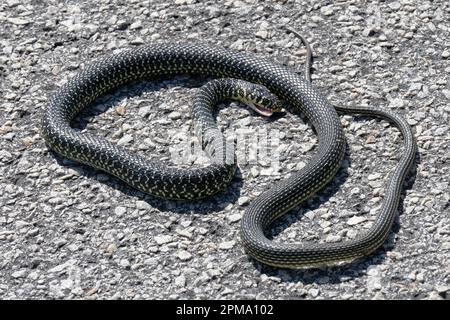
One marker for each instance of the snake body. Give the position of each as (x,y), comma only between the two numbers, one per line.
(159,180)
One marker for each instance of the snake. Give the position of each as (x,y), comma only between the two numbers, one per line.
(237,75)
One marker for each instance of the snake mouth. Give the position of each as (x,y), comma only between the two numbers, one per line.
(261,110)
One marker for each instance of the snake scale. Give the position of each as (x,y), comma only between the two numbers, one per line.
(157,179)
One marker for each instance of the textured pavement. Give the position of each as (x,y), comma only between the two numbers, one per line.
(70,232)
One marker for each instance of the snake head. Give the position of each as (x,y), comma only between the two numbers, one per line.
(260,99)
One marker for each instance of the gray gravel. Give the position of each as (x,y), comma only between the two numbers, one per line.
(67,231)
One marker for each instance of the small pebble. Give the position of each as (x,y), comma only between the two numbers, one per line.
(234,217)
(163,239)
(120,211)
(243,201)
(180,281)
(184,255)
(355,220)
(175,115)
(227,245)
(19,274)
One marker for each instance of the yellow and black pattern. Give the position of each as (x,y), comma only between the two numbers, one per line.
(159,180)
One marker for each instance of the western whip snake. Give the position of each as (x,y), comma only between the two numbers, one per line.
(160,180)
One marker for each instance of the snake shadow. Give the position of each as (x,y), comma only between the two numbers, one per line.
(341,273)
(215,203)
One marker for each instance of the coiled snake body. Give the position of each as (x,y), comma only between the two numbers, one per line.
(157,179)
